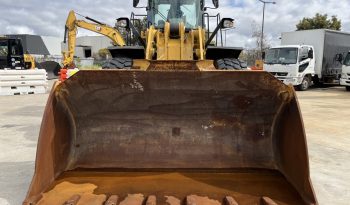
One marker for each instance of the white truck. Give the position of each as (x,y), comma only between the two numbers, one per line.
(308,57)
(345,76)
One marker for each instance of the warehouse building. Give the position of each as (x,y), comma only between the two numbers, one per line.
(45,48)
(40,45)
(88,46)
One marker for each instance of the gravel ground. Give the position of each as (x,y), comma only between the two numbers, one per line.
(325,111)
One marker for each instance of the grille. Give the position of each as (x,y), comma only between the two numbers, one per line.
(279,74)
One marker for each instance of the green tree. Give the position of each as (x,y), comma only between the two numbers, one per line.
(319,21)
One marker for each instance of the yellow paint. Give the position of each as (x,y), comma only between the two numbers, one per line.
(259,64)
(189,45)
(151,33)
(141,64)
(29,59)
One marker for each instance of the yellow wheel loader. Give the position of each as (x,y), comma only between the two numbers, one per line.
(172,120)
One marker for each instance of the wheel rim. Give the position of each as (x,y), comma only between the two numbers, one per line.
(305,84)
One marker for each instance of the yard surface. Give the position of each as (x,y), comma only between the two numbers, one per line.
(326,113)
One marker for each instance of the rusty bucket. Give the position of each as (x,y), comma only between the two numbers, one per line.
(171,137)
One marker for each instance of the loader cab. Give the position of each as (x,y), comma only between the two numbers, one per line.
(11,54)
(175,11)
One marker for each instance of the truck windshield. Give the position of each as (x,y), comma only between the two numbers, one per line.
(175,11)
(281,56)
(347,60)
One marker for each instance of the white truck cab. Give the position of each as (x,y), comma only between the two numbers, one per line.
(345,76)
(292,64)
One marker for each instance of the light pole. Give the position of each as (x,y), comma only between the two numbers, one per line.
(263,22)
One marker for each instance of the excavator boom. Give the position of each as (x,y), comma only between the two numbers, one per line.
(72,24)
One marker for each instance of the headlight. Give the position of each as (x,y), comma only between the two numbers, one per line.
(344,75)
(290,80)
(227,23)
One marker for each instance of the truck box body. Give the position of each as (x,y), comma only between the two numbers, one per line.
(327,45)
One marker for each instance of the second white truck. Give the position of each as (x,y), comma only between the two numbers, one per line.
(308,57)
(345,76)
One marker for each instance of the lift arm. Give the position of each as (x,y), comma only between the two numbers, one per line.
(71,28)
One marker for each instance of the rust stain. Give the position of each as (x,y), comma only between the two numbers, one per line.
(133,199)
(200,200)
(64,191)
(243,102)
(247,187)
(170,200)
(173,65)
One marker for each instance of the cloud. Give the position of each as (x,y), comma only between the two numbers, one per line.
(48,17)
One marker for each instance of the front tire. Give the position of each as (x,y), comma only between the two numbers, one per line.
(230,64)
(118,63)
(305,84)
(347,88)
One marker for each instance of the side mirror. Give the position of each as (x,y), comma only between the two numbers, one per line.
(263,55)
(123,23)
(202,5)
(216,3)
(311,54)
(227,23)
(135,3)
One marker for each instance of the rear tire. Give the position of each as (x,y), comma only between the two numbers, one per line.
(118,63)
(347,88)
(230,64)
(305,84)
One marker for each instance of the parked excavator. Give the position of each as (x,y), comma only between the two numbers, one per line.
(72,24)
(173,119)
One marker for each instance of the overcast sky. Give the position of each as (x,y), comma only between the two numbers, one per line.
(47,17)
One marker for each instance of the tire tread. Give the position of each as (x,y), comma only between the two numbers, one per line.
(118,63)
(230,64)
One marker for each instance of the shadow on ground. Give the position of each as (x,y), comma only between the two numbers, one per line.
(14,177)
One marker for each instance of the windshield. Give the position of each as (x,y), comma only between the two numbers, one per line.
(282,56)
(175,11)
(347,60)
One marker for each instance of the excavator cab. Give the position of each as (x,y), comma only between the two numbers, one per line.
(178,124)
(11,53)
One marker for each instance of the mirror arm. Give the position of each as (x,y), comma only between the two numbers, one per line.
(137,34)
(206,8)
(214,33)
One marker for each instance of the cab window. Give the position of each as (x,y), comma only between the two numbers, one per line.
(3,48)
(16,48)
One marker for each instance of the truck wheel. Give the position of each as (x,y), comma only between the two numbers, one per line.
(305,84)
(347,88)
(118,63)
(230,64)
